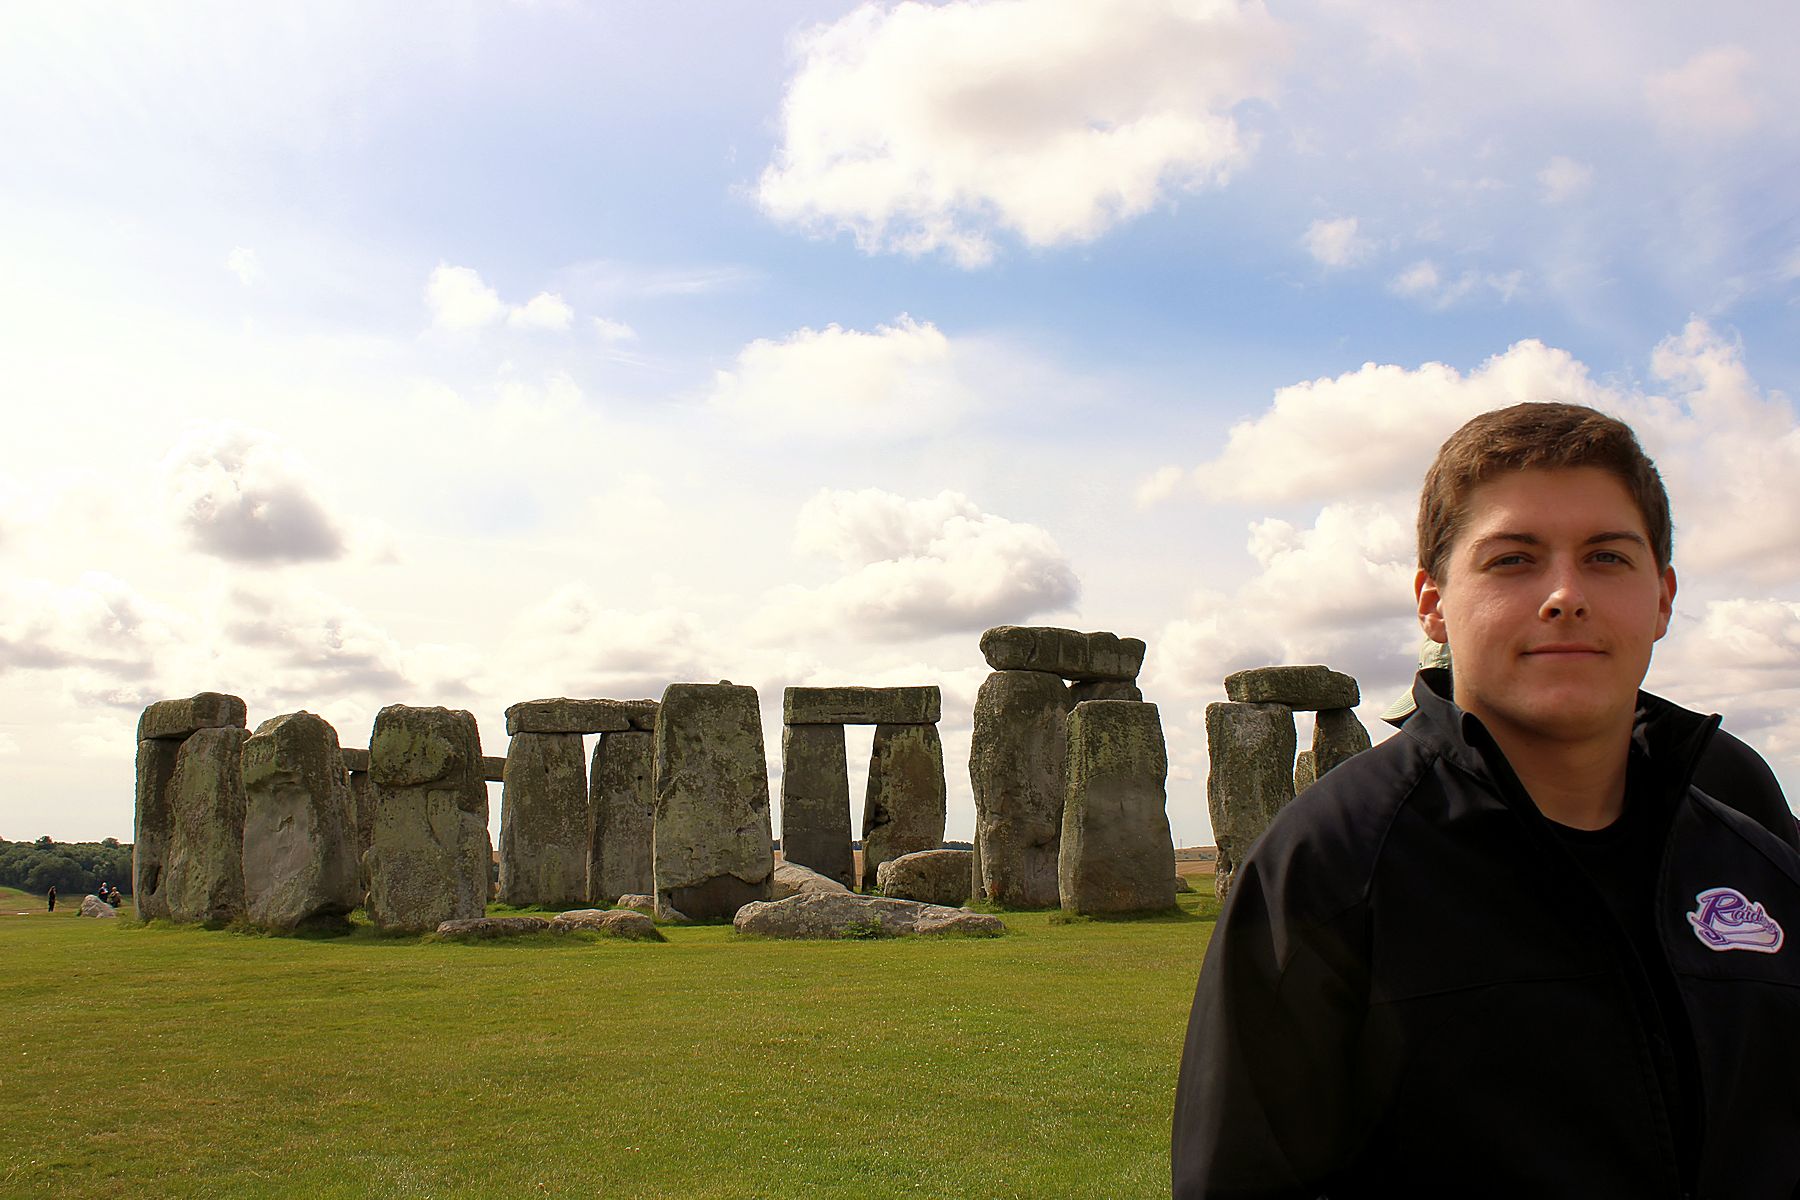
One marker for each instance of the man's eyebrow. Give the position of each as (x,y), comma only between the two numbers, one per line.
(1618,535)
(1532,539)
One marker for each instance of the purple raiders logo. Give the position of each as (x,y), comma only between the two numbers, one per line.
(1725,919)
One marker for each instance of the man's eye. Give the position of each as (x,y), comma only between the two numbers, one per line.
(1610,556)
(1508,560)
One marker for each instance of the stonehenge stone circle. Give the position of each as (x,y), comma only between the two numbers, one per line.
(1064,652)
(1337,735)
(621,817)
(714,850)
(162,727)
(300,856)
(1299,688)
(829,915)
(815,800)
(544,821)
(928,876)
(205,868)
(1251,777)
(430,854)
(1117,855)
(861,705)
(905,806)
(1016,759)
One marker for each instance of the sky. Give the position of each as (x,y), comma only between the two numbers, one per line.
(357,354)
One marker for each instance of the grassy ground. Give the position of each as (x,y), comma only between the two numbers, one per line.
(175,1061)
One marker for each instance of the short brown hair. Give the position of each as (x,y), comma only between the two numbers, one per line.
(1543,435)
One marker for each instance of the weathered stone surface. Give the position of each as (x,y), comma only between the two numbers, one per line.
(621,816)
(1300,688)
(1304,773)
(829,915)
(362,825)
(430,856)
(861,705)
(1117,854)
(977,889)
(1064,652)
(904,808)
(791,879)
(179,718)
(543,821)
(633,926)
(1250,748)
(206,848)
(491,927)
(929,876)
(355,761)
(300,856)
(154,826)
(1016,770)
(670,916)
(94,906)
(714,848)
(493,770)
(639,903)
(563,715)
(1104,689)
(815,801)
(1337,735)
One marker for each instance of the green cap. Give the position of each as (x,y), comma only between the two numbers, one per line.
(1431,654)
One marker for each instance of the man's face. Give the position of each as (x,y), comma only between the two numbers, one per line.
(1550,603)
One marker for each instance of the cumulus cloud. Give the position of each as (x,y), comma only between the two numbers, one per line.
(304,647)
(546,310)
(921,567)
(99,625)
(573,644)
(243,263)
(1707,96)
(1336,243)
(239,496)
(608,330)
(1563,179)
(1422,281)
(922,128)
(836,381)
(460,301)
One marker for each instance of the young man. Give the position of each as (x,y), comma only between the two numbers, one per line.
(1514,950)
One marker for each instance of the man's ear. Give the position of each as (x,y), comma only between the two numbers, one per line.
(1431,607)
(1666,605)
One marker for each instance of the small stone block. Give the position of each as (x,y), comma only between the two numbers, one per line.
(862,705)
(493,770)
(355,760)
(180,718)
(1300,688)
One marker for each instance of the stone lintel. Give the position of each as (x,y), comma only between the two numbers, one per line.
(862,705)
(1064,652)
(176,719)
(563,715)
(1304,688)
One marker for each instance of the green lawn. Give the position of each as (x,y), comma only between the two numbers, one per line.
(168,1061)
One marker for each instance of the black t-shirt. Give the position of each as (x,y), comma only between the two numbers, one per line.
(1624,861)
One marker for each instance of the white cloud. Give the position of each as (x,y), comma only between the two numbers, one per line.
(243,263)
(1422,281)
(1336,243)
(574,644)
(99,625)
(546,310)
(459,300)
(1707,96)
(240,496)
(920,567)
(922,128)
(300,646)
(1564,179)
(834,381)
(608,330)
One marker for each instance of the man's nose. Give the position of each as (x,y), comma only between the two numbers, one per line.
(1565,599)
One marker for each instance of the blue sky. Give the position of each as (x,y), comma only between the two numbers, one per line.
(368,354)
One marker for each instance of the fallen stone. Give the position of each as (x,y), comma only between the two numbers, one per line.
(1117,855)
(300,855)
(1182,884)
(562,715)
(671,916)
(792,879)
(830,915)
(1016,760)
(430,857)
(633,926)
(206,850)
(1337,736)
(1304,773)
(905,806)
(815,801)
(544,822)
(491,927)
(154,827)
(621,816)
(1104,689)
(714,848)
(929,876)
(1300,688)
(1064,652)
(861,705)
(355,761)
(1250,749)
(94,906)
(639,903)
(180,718)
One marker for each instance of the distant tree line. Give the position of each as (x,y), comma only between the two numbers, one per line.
(73,868)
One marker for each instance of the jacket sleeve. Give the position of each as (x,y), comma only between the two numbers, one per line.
(1733,774)
(1269,1104)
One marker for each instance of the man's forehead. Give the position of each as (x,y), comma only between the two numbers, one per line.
(1579,502)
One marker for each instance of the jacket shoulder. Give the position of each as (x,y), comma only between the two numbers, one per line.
(1736,776)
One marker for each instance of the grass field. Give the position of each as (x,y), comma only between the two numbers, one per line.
(170,1061)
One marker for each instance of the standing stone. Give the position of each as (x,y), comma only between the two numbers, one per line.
(905,806)
(815,801)
(205,871)
(1016,771)
(429,859)
(621,817)
(362,825)
(1251,777)
(1117,855)
(977,889)
(300,859)
(1337,735)
(1304,773)
(154,827)
(714,848)
(544,822)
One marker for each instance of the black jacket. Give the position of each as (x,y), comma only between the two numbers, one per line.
(1415,990)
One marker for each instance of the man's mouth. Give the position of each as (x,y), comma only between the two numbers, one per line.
(1565,650)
